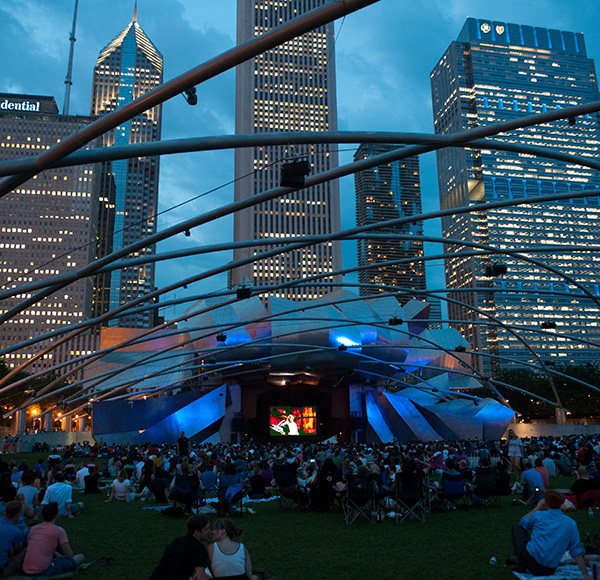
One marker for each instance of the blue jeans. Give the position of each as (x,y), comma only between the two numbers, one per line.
(59,566)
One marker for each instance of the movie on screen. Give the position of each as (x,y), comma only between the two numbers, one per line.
(287,421)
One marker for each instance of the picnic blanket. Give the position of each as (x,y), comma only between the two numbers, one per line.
(564,572)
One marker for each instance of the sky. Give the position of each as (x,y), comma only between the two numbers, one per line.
(384,55)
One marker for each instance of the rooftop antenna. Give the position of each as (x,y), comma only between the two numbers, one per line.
(68,81)
(135,11)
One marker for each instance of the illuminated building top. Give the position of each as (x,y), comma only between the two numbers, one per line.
(497,72)
(129,66)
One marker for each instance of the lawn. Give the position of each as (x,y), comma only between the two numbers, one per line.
(315,546)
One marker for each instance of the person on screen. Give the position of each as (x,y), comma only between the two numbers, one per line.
(290,424)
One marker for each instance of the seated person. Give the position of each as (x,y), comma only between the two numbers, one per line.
(54,459)
(27,489)
(159,485)
(185,487)
(583,483)
(90,483)
(41,468)
(120,488)
(229,477)
(533,485)
(267,474)
(10,494)
(62,493)
(484,484)
(208,478)
(452,485)
(561,465)
(12,540)
(307,476)
(82,472)
(45,540)
(228,558)
(257,485)
(593,472)
(463,467)
(539,466)
(15,476)
(409,482)
(92,465)
(361,486)
(185,556)
(70,470)
(549,464)
(502,479)
(451,471)
(552,532)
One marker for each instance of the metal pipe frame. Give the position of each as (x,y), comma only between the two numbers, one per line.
(475,138)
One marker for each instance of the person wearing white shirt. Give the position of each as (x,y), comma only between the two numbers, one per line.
(80,475)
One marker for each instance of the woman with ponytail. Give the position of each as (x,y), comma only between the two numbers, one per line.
(228,558)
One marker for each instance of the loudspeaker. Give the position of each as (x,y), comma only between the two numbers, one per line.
(292,174)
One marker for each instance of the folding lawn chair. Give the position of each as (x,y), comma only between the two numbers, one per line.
(410,498)
(360,500)
(453,490)
(286,486)
(230,491)
(485,488)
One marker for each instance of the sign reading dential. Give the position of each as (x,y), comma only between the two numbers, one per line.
(7,105)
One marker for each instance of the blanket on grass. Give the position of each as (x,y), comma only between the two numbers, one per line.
(565,572)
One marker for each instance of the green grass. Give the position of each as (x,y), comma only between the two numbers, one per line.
(315,546)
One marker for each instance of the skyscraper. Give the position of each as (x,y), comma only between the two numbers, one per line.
(47,227)
(384,193)
(290,88)
(497,72)
(127,68)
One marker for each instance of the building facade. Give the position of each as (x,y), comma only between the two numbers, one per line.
(290,88)
(127,68)
(498,72)
(47,228)
(383,193)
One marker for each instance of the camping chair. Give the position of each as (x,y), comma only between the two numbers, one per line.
(360,499)
(453,490)
(324,494)
(286,487)
(411,500)
(485,488)
(208,479)
(231,491)
(186,490)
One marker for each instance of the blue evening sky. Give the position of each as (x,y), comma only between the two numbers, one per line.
(384,55)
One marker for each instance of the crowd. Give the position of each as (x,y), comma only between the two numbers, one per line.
(323,474)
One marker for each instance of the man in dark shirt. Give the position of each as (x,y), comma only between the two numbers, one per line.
(583,482)
(186,556)
(183,445)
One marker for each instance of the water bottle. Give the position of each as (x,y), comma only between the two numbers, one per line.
(493,561)
(591,513)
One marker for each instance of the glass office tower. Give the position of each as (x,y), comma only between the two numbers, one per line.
(290,88)
(47,228)
(384,193)
(127,68)
(497,72)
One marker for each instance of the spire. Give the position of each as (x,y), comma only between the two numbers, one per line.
(68,80)
(135,12)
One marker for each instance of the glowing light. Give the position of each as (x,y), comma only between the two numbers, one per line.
(343,340)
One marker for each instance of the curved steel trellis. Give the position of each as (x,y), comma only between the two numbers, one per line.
(470,138)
